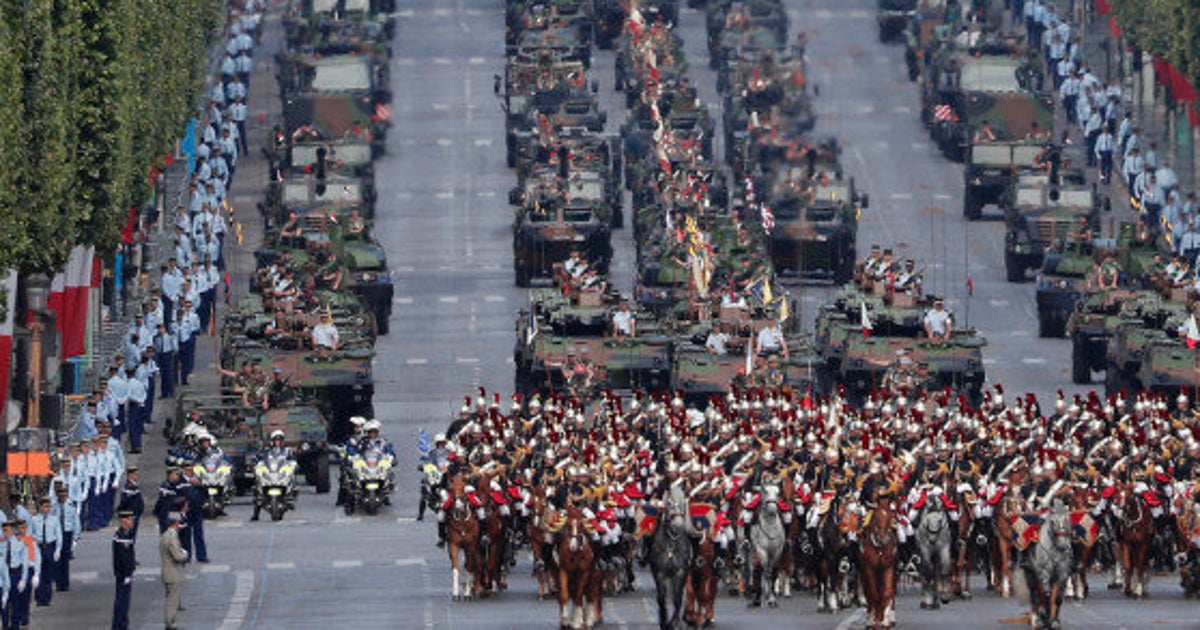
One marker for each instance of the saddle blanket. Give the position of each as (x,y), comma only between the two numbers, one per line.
(1025,529)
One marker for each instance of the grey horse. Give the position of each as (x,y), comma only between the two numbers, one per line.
(768,539)
(933,545)
(670,563)
(1048,566)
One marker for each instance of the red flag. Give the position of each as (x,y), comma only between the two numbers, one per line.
(1191,333)
(970,285)
(8,302)
(866,320)
(1103,7)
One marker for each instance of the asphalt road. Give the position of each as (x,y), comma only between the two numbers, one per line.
(444,219)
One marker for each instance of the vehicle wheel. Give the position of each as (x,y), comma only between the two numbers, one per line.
(971,206)
(321,470)
(372,509)
(1081,371)
(349,507)
(381,324)
(1013,269)
(1050,325)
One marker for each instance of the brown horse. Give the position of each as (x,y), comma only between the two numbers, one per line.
(541,542)
(701,586)
(579,602)
(1135,531)
(878,569)
(1007,509)
(492,544)
(1080,503)
(1188,535)
(462,537)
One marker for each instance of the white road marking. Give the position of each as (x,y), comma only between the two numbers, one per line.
(417,361)
(86,576)
(900,196)
(1033,361)
(404,195)
(280,566)
(998,303)
(475,61)
(441,13)
(466,360)
(859,14)
(410,562)
(240,602)
(990,361)
(494,298)
(920,146)
(402,300)
(215,568)
(406,61)
(401,520)
(441,107)
(405,268)
(347,564)
(851,620)
(448,299)
(444,142)
(445,194)
(902,109)
(483,142)
(441,61)
(942,197)
(1019,333)
(230,524)
(486,193)
(864,109)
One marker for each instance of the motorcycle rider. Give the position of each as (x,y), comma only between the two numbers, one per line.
(373,439)
(208,447)
(274,449)
(352,446)
(439,457)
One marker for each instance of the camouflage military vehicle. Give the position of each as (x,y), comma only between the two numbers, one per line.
(928,29)
(336,96)
(966,88)
(1063,281)
(894,17)
(561,27)
(860,362)
(548,113)
(1039,214)
(738,29)
(594,173)
(311,172)
(548,226)
(815,229)
(1091,325)
(991,172)
(700,375)
(556,330)
(242,431)
(1169,368)
(325,31)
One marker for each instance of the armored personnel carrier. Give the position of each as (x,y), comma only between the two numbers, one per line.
(336,96)
(894,17)
(815,227)
(548,225)
(860,361)
(1041,214)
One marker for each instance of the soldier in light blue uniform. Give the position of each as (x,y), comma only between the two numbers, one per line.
(66,512)
(189,325)
(14,552)
(47,533)
(166,345)
(28,576)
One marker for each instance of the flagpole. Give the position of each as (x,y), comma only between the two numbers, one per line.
(967,268)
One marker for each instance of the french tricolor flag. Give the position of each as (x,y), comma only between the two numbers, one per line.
(69,299)
(8,302)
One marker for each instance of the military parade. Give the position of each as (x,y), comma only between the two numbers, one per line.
(706,340)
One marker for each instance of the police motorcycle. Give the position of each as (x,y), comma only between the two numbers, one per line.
(216,476)
(370,480)
(275,480)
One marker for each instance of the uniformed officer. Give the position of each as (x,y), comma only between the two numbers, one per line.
(32,563)
(131,497)
(14,560)
(189,325)
(66,510)
(193,535)
(48,534)
(124,564)
(168,493)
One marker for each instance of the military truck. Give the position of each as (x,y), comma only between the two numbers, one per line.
(1040,214)
(816,230)
(1090,327)
(311,171)
(894,17)
(966,88)
(336,95)
(860,361)
(991,172)
(1169,368)
(548,225)
(242,431)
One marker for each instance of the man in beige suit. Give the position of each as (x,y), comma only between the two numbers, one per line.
(173,557)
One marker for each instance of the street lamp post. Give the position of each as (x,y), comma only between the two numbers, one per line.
(37,290)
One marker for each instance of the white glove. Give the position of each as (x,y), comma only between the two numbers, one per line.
(1180,559)
(57,556)
(114,485)
(36,580)
(21,586)
(127,581)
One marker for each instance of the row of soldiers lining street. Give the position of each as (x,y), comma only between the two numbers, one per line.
(615,459)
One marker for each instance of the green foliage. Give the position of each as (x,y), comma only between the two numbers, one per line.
(1167,28)
(92,92)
